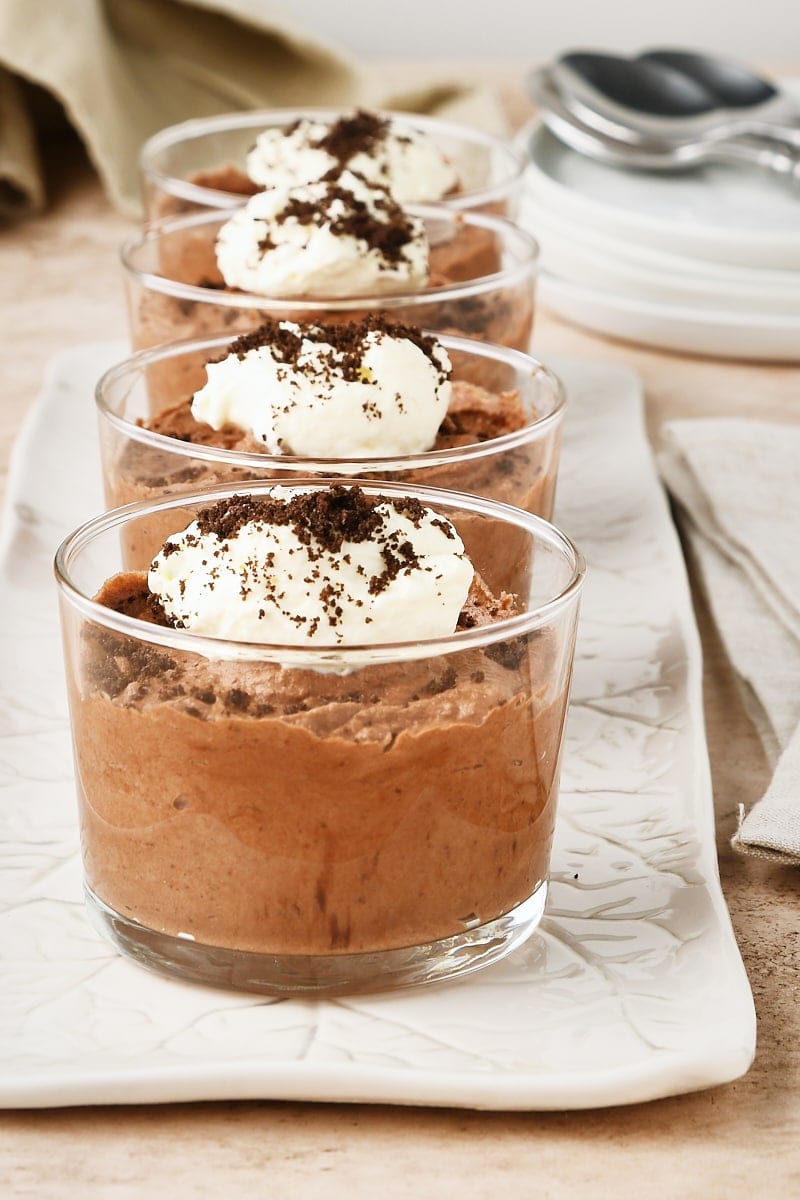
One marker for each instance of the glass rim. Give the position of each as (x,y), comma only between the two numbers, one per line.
(137,364)
(318,657)
(173,135)
(507,276)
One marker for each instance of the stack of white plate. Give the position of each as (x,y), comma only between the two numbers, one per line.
(706,262)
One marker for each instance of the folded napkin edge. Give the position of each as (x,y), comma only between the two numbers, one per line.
(748,849)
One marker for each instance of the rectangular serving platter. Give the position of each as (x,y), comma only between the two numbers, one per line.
(632,988)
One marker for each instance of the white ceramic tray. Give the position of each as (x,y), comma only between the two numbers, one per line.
(632,989)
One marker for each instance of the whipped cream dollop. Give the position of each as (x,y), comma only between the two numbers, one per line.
(328,567)
(367,389)
(337,237)
(382,150)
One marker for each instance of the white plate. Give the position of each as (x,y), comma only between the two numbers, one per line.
(761,337)
(633,988)
(723,213)
(579,255)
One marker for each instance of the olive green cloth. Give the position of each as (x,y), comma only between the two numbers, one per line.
(123,69)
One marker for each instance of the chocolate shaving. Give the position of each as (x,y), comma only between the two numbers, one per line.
(387,233)
(284,342)
(329,517)
(347,340)
(325,519)
(359,133)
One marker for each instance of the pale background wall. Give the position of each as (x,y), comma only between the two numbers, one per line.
(766,31)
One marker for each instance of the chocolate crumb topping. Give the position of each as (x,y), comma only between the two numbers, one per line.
(284,343)
(322,521)
(387,233)
(330,517)
(352,134)
(347,340)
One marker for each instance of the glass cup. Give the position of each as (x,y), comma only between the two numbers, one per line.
(287,819)
(145,419)
(200,164)
(483,275)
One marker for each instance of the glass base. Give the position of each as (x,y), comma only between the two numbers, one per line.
(319,974)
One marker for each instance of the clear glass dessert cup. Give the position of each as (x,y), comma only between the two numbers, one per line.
(200,164)
(174,289)
(155,386)
(306,820)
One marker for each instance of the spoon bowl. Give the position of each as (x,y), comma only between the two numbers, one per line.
(733,85)
(674,94)
(642,85)
(627,100)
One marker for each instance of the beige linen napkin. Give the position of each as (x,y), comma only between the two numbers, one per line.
(123,69)
(737,486)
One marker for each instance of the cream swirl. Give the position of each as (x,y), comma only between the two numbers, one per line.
(334,238)
(329,567)
(361,390)
(383,150)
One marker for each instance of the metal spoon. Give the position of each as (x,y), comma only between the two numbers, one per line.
(755,100)
(636,83)
(655,154)
(655,95)
(618,97)
(733,85)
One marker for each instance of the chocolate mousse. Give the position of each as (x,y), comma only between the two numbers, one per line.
(341,237)
(471,415)
(249,804)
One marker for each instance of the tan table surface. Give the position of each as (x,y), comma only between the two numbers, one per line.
(61,284)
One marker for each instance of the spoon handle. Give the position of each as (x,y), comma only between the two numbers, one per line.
(754,104)
(771,155)
(776,131)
